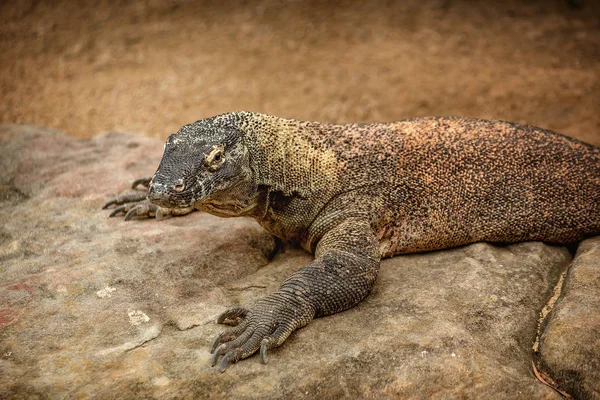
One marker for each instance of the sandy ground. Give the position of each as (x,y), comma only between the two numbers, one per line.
(150,66)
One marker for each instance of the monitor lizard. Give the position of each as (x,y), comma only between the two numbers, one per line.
(353,194)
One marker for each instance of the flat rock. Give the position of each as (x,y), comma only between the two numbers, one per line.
(570,344)
(92,306)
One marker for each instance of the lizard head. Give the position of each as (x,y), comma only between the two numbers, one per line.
(205,165)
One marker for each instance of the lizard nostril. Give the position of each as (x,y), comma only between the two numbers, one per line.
(179,187)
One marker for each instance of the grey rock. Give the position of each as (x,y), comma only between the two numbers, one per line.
(570,344)
(94,307)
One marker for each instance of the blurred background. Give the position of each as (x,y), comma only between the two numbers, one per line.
(86,67)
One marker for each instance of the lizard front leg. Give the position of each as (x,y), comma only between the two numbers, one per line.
(342,274)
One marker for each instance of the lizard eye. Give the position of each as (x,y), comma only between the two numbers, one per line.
(214,158)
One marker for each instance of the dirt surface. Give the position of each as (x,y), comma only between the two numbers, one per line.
(93,66)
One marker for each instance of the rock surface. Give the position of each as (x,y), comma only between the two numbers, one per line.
(103,308)
(570,344)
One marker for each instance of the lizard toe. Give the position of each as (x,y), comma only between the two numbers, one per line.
(128,198)
(145,209)
(231,346)
(231,337)
(225,362)
(274,340)
(241,351)
(233,316)
(109,203)
(141,181)
(228,335)
(121,209)
(132,212)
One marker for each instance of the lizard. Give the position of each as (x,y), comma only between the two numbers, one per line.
(354,194)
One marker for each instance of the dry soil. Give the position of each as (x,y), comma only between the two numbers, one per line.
(150,66)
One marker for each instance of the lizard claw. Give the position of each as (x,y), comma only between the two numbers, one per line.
(216,343)
(265,326)
(141,181)
(225,362)
(128,198)
(145,209)
(233,316)
(274,340)
(217,354)
(109,203)
(263,352)
(131,213)
(118,210)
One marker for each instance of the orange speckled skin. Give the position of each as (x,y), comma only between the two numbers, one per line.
(461,181)
(433,183)
(352,194)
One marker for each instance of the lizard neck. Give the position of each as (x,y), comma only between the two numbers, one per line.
(285,156)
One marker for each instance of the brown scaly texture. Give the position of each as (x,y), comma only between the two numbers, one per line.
(352,194)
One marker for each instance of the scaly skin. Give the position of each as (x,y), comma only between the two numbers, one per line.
(352,194)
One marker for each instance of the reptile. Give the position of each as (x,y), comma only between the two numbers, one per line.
(354,194)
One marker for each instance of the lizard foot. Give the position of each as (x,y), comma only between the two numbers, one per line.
(265,326)
(142,209)
(136,205)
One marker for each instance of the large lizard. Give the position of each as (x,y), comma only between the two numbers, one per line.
(352,194)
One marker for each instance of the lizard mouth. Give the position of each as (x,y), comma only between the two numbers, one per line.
(225,209)
(166,202)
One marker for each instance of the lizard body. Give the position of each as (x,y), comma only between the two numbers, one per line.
(352,194)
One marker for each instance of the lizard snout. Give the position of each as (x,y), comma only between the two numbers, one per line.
(161,194)
(170,193)
(159,188)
